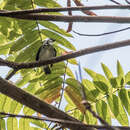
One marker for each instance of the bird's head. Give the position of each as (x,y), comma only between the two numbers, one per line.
(49,41)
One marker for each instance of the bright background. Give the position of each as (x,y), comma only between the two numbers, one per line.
(93,61)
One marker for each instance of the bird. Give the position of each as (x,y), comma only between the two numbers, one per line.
(45,52)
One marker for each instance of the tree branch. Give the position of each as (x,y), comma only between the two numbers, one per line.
(36,104)
(60,121)
(79,8)
(11,74)
(85,51)
(76,18)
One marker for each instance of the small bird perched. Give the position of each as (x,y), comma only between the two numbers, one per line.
(45,52)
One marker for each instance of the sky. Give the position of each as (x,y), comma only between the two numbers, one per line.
(109,58)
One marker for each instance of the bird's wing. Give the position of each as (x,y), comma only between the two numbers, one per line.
(54,54)
(37,55)
(55,51)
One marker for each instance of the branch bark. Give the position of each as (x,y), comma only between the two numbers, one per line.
(76,18)
(85,51)
(61,121)
(79,8)
(36,104)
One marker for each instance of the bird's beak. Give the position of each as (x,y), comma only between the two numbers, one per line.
(52,40)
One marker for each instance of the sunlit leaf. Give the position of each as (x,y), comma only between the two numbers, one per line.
(69,72)
(2,124)
(90,72)
(120,71)
(50,96)
(40,124)
(12,124)
(76,98)
(125,100)
(28,53)
(101,83)
(54,27)
(24,41)
(47,3)
(103,111)
(117,109)
(107,71)
(91,92)
(127,78)
(89,118)
(73,61)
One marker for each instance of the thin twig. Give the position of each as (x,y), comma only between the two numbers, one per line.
(79,8)
(88,107)
(115,2)
(102,34)
(69,13)
(11,74)
(127,1)
(36,104)
(87,12)
(59,121)
(62,91)
(65,57)
(37,23)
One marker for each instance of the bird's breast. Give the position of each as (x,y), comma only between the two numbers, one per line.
(46,54)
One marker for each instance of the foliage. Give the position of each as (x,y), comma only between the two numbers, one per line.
(106,94)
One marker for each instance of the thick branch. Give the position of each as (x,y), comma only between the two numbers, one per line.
(65,57)
(76,18)
(79,8)
(36,104)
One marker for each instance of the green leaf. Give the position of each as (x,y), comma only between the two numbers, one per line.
(69,101)
(73,61)
(117,82)
(4,49)
(69,72)
(117,109)
(123,94)
(3,99)
(114,82)
(12,124)
(106,70)
(127,78)
(40,124)
(29,52)
(54,27)
(28,111)
(2,124)
(76,85)
(90,72)
(15,107)
(89,118)
(58,38)
(24,124)
(103,111)
(26,78)
(75,97)
(47,3)
(91,92)
(28,39)
(102,84)
(120,71)
(48,86)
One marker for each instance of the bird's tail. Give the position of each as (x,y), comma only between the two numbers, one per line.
(47,70)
